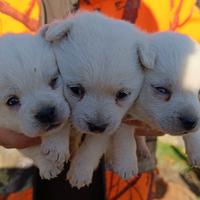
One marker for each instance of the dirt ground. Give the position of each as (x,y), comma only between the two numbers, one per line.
(177,178)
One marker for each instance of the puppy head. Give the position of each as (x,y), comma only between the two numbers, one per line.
(98,59)
(31,99)
(169,99)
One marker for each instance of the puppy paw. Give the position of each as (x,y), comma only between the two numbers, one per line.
(55,153)
(125,171)
(79,178)
(143,154)
(50,171)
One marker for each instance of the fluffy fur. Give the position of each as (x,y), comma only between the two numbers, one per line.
(98,58)
(32,101)
(169,98)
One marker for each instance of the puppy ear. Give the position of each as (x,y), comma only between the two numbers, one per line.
(146,55)
(57,30)
(42,31)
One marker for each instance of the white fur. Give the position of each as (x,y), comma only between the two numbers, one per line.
(176,68)
(119,158)
(177,59)
(143,151)
(27,66)
(101,55)
(192,145)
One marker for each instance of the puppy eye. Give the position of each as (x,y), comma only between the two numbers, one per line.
(162,91)
(122,94)
(77,90)
(13,101)
(53,82)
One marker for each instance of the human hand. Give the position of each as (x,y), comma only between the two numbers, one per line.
(11,139)
(142,129)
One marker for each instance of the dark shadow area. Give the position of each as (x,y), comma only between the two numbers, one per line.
(59,188)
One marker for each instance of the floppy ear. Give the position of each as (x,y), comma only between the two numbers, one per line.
(43,30)
(146,55)
(56,30)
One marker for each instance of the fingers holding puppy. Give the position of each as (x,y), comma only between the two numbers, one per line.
(142,129)
(11,139)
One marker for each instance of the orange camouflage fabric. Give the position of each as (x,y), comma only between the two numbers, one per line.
(141,187)
(152,16)
(19,16)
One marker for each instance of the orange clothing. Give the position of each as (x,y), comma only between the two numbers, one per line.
(24,195)
(152,16)
(140,187)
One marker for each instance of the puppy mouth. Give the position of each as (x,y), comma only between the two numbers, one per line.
(159,127)
(94,133)
(176,133)
(53,126)
(86,131)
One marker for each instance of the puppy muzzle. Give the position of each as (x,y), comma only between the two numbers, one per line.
(48,118)
(96,128)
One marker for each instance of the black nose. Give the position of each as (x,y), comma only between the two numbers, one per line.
(188,123)
(97,128)
(46,115)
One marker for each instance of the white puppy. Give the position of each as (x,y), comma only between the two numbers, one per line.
(99,59)
(169,98)
(32,101)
